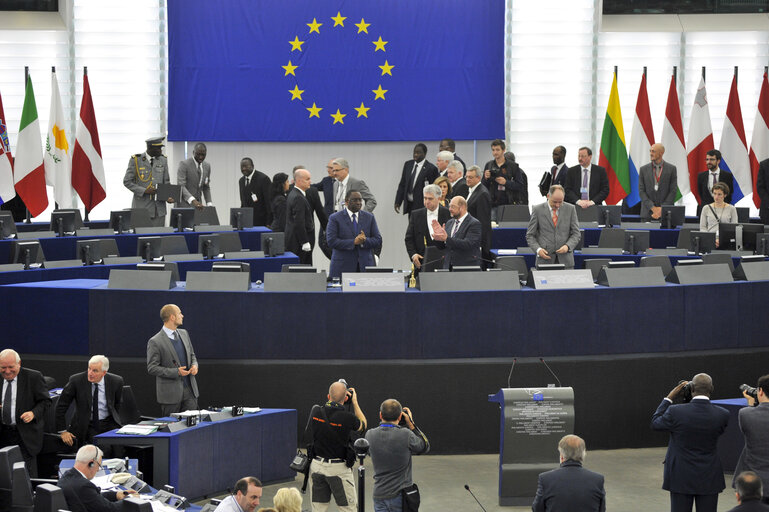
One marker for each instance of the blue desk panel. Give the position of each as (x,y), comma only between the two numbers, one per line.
(512,238)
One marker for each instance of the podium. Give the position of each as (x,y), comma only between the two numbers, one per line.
(532,421)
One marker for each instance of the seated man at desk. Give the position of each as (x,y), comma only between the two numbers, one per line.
(245,496)
(81,494)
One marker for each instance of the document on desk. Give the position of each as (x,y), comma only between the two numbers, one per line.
(138,430)
(104,483)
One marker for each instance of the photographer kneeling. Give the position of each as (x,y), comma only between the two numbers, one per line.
(754,424)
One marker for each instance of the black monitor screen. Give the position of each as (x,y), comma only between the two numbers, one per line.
(609,215)
(88,251)
(182,218)
(7,224)
(149,247)
(208,246)
(702,242)
(635,241)
(120,221)
(78,216)
(672,216)
(206,216)
(24,251)
(63,223)
(762,244)
(241,218)
(727,235)
(273,243)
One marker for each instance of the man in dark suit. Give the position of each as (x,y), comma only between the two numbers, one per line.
(553,230)
(194,176)
(762,189)
(255,192)
(415,175)
(586,184)
(419,234)
(657,184)
(749,489)
(450,146)
(313,197)
(557,174)
(455,174)
(570,487)
(693,472)
(300,228)
(97,396)
(353,236)
(461,236)
(714,174)
(754,424)
(25,401)
(326,185)
(81,494)
(171,360)
(479,206)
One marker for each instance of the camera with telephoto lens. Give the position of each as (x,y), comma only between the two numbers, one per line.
(686,392)
(750,391)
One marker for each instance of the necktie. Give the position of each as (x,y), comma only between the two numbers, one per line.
(200,173)
(339,195)
(246,181)
(456,227)
(414,175)
(95,408)
(554,170)
(584,184)
(355,224)
(7,398)
(712,180)
(555,217)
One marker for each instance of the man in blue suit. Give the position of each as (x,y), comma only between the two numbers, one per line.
(352,235)
(460,236)
(693,472)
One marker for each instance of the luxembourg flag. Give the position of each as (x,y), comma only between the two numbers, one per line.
(759,146)
(673,139)
(734,148)
(641,141)
(700,137)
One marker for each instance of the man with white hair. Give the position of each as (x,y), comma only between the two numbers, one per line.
(98,396)
(455,173)
(346,183)
(442,161)
(81,494)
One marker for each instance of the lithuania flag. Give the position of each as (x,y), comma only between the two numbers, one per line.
(613,149)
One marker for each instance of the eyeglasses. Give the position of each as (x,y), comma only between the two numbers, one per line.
(355,200)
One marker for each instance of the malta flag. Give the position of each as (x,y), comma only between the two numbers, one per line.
(759,146)
(613,149)
(673,139)
(87,164)
(641,141)
(58,170)
(29,172)
(700,137)
(734,147)
(7,191)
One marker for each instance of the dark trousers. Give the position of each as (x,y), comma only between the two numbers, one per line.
(105,425)
(683,502)
(305,257)
(9,436)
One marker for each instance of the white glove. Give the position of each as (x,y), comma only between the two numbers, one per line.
(306,247)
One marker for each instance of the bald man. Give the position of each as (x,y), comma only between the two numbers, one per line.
(300,227)
(693,472)
(657,184)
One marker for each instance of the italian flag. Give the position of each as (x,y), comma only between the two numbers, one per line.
(613,149)
(28,171)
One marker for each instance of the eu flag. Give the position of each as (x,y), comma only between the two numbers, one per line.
(335,70)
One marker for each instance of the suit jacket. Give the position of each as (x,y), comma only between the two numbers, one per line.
(598,188)
(82,495)
(754,424)
(570,487)
(751,506)
(666,192)
(31,395)
(459,189)
(313,197)
(702,188)
(163,363)
(278,213)
(427,174)
(542,233)
(547,180)
(692,464)
(79,389)
(762,188)
(479,206)
(346,256)
(300,227)
(140,173)
(259,184)
(194,183)
(326,185)
(417,232)
(369,201)
(464,248)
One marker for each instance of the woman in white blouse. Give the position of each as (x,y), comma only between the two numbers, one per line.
(717,211)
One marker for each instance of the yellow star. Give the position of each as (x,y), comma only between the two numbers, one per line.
(339,19)
(362,26)
(386,69)
(314,26)
(296,92)
(60,138)
(296,44)
(289,69)
(314,110)
(379,45)
(362,110)
(379,92)
(338,117)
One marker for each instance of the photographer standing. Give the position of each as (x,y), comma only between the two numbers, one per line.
(328,432)
(754,423)
(693,471)
(391,447)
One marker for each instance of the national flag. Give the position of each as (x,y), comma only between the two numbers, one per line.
(7,191)
(29,171)
(87,164)
(613,154)
(759,146)
(58,166)
(734,147)
(700,137)
(641,141)
(673,139)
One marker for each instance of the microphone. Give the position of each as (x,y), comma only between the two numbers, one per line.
(484,260)
(467,487)
(511,371)
(436,260)
(552,372)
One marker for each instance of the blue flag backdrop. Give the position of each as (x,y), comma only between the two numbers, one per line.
(335,70)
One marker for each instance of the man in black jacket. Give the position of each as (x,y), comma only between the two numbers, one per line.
(255,192)
(81,494)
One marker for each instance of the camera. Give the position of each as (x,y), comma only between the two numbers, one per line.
(750,391)
(686,392)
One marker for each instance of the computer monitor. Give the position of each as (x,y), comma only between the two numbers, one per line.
(750,234)
(635,241)
(514,213)
(743,214)
(182,218)
(241,218)
(207,216)
(149,247)
(762,244)
(727,236)
(589,214)
(208,246)
(24,251)
(88,251)
(273,243)
(120,221)
(63,223)
(702,242)
(140,218)
(672,216)
(609,215)
(7,224)
(173,244)
(78,217)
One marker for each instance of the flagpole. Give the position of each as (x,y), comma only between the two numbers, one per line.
(644,71)
(615,71)
(675,75)
(85,207)
(735,74)
(28,218)
(703,72)
(55,204)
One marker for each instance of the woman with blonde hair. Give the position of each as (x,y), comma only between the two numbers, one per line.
(288,499)
(445,184)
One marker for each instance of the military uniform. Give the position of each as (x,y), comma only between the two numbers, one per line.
(143,171)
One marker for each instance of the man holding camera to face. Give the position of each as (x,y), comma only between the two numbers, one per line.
(693,472)
(754,424)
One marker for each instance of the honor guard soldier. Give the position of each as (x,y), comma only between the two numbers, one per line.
(144,173)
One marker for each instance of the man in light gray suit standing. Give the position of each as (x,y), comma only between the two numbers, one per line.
(344,183)
(754,424)
(657,184)
(553,230)
(194,176)
(171,359)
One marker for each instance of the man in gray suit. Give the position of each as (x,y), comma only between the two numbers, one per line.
(171,359)
(345,182)
(754,423)
(553,230)
(144,172)
(657,184)
(194,176)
